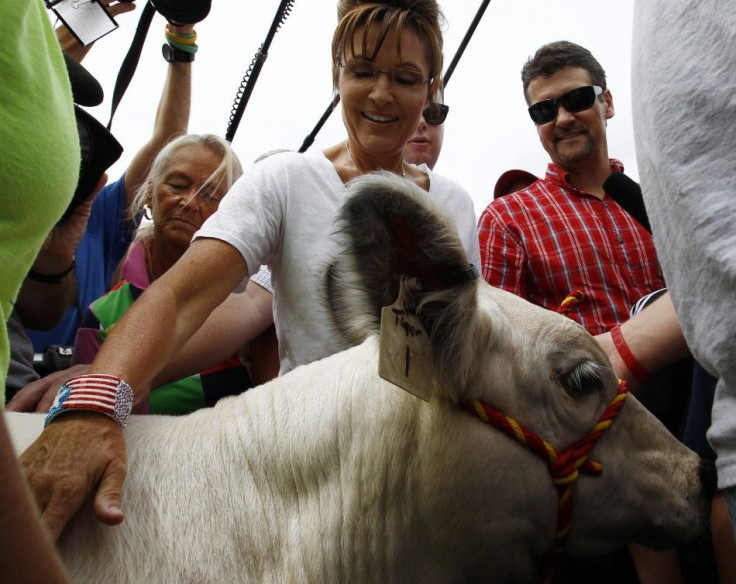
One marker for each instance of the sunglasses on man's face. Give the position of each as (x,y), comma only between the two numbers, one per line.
(435,114)
(577,100)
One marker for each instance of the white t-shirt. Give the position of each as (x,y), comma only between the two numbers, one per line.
(684,112)
(281,213)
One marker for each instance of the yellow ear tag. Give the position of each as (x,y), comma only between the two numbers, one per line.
(405,351)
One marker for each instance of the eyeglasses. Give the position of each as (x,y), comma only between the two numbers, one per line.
(577,100)
(435,114)
(365,72)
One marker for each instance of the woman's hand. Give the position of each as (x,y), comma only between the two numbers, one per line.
(61,479)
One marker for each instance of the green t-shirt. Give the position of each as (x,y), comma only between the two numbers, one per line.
(39,146)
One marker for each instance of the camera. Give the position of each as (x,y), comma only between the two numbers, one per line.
(182,11)
(99,150)
(54,358)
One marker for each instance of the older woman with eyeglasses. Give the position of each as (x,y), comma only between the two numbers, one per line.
(387,60)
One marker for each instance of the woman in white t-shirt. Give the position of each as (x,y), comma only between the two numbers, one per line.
(387,60)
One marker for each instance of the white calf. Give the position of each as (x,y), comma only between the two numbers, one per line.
(332,474)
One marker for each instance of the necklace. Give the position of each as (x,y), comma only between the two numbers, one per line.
(360,170)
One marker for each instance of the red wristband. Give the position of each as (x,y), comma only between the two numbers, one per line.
(627,356)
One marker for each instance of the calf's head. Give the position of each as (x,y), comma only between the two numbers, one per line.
(535,366)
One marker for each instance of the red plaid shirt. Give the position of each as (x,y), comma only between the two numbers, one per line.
(551,238)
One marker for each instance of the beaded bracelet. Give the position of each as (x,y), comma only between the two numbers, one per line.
(632,364)
(106,394)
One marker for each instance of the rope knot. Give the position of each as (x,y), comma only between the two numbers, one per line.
(564,467)
(569,302)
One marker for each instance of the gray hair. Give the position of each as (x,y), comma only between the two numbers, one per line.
(227,172)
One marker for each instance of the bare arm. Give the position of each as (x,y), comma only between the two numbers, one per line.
(172,116)
(654,337)
(137,349)
(233,324)
(236,322)
(42,304)
(26,552)
(172,120)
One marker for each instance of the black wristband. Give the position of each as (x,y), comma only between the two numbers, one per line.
(52,278)
(175,54)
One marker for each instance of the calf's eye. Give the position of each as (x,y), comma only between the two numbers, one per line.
(583,379)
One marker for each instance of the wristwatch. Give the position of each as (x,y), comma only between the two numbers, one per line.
(176,55)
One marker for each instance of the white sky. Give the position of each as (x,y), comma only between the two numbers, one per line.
(487,131)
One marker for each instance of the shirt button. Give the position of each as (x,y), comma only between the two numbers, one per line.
(619,238)
(605,204)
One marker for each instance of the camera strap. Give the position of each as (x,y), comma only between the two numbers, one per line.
(251,75)
(127,69)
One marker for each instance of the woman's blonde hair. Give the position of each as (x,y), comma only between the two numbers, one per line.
(422,16)
(226,173)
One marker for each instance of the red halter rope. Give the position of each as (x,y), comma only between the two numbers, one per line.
(565,466)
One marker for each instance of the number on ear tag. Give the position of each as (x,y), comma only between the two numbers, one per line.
(405,351)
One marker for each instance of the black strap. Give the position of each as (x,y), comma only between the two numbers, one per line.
(627,193)
(466,39)
(251,75)
(313,134)
(131,59)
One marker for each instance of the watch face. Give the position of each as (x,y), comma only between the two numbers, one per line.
(174,55)
(168,52)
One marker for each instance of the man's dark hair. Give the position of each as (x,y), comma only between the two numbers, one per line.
(552,57)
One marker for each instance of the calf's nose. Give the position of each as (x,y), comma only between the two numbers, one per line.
(707,471)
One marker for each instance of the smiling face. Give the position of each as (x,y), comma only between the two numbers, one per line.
(180,201)
(380,113)
(572,140)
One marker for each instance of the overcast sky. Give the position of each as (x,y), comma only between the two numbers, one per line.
(487,131)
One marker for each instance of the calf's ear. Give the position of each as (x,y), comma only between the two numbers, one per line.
(389,227)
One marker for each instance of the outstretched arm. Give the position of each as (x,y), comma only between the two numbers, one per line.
(172,119)
(654,338)
(61,468)
(172,116)
(233,324)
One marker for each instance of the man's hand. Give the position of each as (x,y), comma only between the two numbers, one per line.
(61,479)
(62,241)
(71,46)
(39,395)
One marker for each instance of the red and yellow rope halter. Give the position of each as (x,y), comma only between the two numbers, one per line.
(565,466)
(573,298)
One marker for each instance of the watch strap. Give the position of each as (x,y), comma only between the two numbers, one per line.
(174,54)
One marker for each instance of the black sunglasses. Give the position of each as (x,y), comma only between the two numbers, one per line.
(435,114)
(577,100)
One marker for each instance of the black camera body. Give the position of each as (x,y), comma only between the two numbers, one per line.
(54,358)
(183,11)
(99,150)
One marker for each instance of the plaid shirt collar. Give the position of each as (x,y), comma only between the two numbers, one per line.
(562,179)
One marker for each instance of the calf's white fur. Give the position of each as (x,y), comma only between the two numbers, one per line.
(331,474)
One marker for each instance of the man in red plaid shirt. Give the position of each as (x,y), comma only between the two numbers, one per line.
(564,232)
